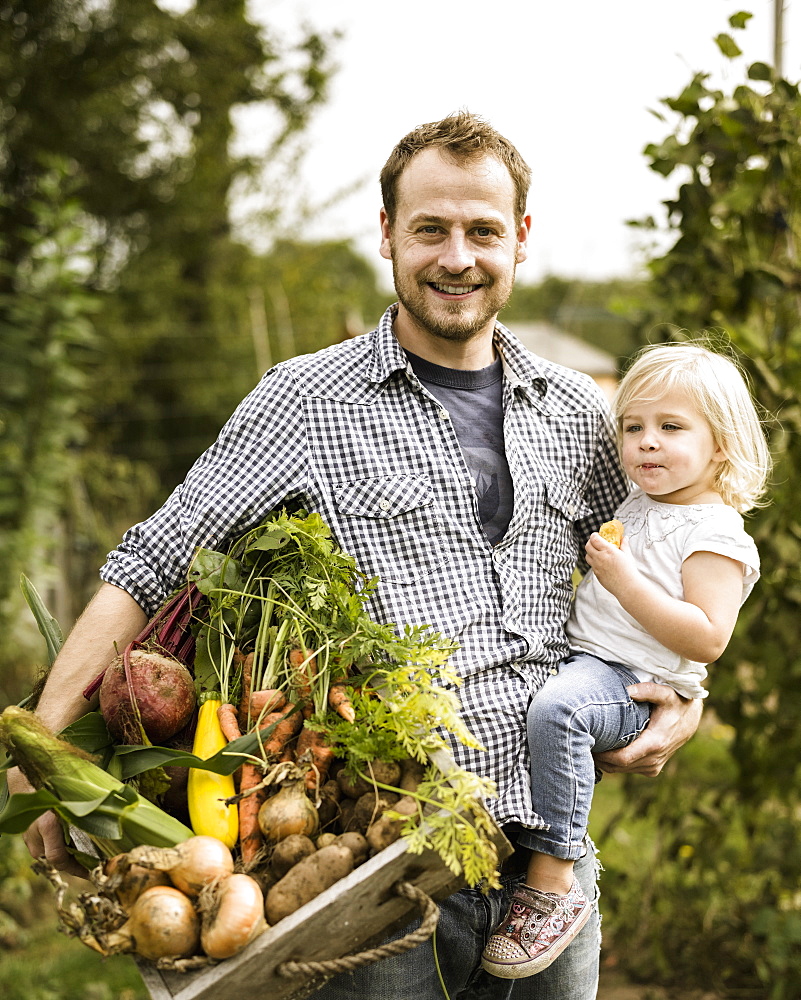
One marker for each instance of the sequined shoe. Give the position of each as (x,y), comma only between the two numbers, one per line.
(536,930)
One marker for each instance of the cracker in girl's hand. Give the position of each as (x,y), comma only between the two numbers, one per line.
(612,531)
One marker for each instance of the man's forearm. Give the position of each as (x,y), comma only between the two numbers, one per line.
(111,620)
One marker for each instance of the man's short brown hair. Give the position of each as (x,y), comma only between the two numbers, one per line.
(460,136)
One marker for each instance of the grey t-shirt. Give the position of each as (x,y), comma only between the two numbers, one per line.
(474,400)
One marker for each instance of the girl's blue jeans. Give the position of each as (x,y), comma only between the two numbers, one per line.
(583,709)
(466,921)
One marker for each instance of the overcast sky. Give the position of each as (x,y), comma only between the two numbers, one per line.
(569,82)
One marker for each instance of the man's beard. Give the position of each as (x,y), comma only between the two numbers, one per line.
(452,320)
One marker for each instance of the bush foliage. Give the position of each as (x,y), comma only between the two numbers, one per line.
(719,903)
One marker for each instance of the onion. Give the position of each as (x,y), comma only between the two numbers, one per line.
(128,882)
(164,693)
(162,924)
(191,865)
(232,915)
(289,811)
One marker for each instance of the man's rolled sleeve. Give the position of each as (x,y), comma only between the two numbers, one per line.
(258,461)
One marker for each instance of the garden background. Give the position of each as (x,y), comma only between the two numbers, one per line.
(134,314)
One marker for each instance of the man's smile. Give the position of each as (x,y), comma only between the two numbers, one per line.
(447,289)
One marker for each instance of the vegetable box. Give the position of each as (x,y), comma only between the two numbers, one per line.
(364,907)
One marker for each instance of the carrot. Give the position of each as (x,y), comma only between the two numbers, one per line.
(321,757)
(288,722)
(226,713)
(290,751)
(250,835)
(268,700)
(303,669)
(247,676)
(338,700)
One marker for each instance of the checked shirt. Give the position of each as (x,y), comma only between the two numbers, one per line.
(351,433)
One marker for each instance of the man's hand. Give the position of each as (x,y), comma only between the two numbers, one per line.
(673,721)
(111,620)
(45,836)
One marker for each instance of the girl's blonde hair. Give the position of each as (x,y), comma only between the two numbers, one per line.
(718,389)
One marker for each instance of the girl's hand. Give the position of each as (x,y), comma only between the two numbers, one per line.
(614,567)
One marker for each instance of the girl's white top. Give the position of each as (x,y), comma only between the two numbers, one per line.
(661,536)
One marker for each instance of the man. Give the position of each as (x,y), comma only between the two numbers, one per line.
(450,462)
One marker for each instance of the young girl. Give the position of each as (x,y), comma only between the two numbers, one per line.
(658,608)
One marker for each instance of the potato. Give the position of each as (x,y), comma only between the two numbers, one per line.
(368,807)
(412,773)
(328,810)
(385,831)
(352,788)
(326,839)
(289,851)
(309,877)
(331,790)
(346,808)
(356,844)
(383,772)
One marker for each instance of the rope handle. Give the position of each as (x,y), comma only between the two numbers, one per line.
(348,963)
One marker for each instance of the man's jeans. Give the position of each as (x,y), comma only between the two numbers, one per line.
(466,921)
(582,710)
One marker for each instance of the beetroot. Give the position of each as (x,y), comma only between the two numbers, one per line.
(164,693)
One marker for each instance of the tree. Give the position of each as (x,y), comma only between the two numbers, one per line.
(49,345)
(141,100)
(729,844)
(136,107)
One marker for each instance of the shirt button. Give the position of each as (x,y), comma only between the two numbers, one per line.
(444,415)
(383,504)
(553,671)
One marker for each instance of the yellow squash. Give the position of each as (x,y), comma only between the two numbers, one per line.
(206,792)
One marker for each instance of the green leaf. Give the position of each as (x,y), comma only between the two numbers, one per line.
(89,733)
(134,760)
(82,797)
(728,46)
(46,623)
(99,823)
(205,667)
(213,571)
(687,103)
(740,19)
(25,807)
(268,542)
(760,71)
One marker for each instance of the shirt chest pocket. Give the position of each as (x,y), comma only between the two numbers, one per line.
(556,542)
(391,526)
(564,498)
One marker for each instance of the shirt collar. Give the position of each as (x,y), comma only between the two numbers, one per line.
(521,368)
(388,355)
(520,365)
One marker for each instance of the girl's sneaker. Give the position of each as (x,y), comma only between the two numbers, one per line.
(536,929)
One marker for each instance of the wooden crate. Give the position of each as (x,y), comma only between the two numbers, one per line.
(363,908)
